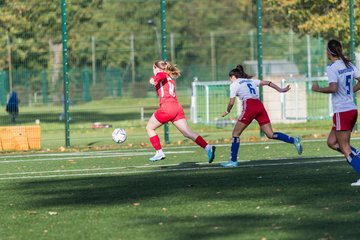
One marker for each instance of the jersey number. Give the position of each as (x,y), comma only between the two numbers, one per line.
(171,89)
(251,89)
(348,85)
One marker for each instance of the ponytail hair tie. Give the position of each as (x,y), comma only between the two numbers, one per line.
(332,53)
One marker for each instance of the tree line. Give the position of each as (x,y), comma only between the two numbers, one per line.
(31,31)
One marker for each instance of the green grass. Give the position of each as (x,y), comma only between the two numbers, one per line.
(118,194)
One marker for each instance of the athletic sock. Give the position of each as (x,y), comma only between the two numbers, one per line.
(354,150)
(283,137)
(235,145)
(354,161)
(207,148)
(155,142)
(160,152)
(201,142)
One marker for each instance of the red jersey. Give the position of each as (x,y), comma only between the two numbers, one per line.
(165,87)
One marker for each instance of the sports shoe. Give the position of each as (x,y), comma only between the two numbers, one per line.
(297,143)
(356,184)
(211,154)
(157,157)
(229,164)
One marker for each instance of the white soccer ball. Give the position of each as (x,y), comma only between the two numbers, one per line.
(119,135)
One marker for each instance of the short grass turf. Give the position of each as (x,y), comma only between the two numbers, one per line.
(290,198)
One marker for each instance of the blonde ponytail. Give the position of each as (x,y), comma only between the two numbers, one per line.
(169,68)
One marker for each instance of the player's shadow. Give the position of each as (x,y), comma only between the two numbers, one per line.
(305,187)
(257,176)
(189,165)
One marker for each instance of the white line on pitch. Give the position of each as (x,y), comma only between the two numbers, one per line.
(170,170)
(85,153)
(90,169)
(71,153)
(119,154)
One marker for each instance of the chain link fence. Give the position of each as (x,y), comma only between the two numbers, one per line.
(111,47)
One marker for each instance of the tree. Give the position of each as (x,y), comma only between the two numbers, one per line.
(325,18)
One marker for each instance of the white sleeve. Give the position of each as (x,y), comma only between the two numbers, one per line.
(332,77)
(233,90)
(256,81)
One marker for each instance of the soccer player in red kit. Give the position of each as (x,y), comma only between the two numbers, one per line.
(170,110)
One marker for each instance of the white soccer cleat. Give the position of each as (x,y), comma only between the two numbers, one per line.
(298,145)
(229,164)
(157,157)
(356,184)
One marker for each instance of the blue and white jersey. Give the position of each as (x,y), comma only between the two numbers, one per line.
(244,88)
(343,99)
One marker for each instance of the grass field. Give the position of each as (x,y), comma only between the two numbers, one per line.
(119,194)
(100,190)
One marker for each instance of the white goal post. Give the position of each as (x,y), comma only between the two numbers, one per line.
(209,100)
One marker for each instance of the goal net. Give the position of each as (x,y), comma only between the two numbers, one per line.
(210,99)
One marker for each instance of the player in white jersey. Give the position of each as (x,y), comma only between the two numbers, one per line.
(245,88)
(341,75)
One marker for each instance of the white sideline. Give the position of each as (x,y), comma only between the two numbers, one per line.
(130,169)
(76,156)
(12,177)
(92,153)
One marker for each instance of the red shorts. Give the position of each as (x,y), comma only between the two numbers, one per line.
(344,121)
(254,109)
(169,111)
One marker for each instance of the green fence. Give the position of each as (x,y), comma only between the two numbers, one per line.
(111,47)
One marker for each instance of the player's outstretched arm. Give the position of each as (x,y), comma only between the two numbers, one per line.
(332,88)
(274,86)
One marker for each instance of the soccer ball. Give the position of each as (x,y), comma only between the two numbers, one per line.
(119,135)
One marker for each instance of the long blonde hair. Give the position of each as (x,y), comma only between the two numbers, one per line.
(169,68)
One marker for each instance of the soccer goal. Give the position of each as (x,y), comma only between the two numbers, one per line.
(318,105)
(210,99)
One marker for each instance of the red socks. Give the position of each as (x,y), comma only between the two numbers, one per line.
(155,142)
(201,142)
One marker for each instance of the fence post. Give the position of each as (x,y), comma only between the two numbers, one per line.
(117,75)
(259,48)
(44,87)
(352,42)
(163,52)
(108,79)
(86,84)
(352,30)
(66,73)
(2,87)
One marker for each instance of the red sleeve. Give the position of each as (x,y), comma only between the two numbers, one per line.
(159,76)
